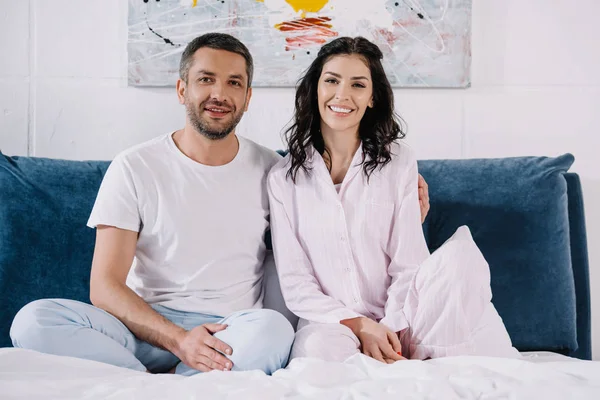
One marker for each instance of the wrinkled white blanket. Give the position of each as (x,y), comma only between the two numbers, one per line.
(29,375)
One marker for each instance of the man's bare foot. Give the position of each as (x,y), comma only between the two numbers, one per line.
(171,371)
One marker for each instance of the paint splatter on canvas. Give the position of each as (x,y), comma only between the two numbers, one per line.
(426,43)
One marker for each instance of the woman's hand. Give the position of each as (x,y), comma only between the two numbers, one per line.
(376,340)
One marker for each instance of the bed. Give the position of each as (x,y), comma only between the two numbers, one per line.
(26,374)
(525,213)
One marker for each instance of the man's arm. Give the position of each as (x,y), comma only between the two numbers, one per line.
(113,256)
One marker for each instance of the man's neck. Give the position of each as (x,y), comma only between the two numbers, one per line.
(204,150)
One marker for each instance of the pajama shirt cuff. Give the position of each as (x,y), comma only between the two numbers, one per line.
(395,321)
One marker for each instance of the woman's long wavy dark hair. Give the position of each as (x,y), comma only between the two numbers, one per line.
(379,127)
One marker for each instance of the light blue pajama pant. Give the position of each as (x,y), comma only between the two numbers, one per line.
(261,339)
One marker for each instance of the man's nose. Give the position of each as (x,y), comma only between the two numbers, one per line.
(218,92)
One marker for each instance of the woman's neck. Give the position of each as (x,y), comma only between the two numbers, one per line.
(340,148)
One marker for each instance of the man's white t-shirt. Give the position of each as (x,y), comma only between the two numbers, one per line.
(201,228)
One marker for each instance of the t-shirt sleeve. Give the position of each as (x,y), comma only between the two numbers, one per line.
(117,203)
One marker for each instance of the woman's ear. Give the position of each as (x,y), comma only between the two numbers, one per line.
(370,104)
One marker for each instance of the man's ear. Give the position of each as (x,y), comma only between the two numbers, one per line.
(248,97)
(181,88)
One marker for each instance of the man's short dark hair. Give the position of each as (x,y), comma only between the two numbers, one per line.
(217,41)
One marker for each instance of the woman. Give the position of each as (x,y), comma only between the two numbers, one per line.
(349,248)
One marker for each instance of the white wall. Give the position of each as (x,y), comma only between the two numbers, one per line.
(535,91)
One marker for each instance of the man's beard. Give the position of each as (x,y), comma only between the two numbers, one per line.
(203,127)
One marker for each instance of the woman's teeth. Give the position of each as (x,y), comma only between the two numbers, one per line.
(340,109)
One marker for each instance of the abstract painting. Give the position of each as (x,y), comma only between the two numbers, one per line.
(426,43)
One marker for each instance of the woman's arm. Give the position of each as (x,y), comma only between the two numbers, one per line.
(301,290)
(407,247)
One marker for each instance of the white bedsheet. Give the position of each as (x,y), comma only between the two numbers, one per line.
(29,375)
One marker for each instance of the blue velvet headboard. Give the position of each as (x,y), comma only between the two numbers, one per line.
(46,249)
(526,216)
(581,270)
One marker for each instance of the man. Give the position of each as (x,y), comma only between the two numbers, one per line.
(191,209)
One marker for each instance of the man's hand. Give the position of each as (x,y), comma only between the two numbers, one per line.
(199,349)
(376,340)
(423,198)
